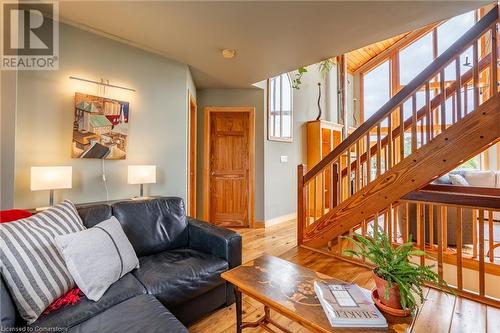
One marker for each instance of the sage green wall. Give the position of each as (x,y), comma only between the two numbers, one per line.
(8,82)
(234,97)
(157,128)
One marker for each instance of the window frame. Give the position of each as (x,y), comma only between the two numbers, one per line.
(270,131)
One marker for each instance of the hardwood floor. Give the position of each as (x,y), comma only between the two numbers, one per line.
(439,313)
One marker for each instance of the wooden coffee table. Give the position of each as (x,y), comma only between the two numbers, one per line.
(288,289)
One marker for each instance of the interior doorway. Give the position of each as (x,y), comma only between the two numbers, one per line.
(192,156)
(229,153)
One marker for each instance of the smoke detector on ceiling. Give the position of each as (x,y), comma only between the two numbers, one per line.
(229,53)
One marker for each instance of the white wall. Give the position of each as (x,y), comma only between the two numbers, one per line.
(157,127)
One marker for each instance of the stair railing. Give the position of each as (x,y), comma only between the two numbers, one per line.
(455,226)
(435,99)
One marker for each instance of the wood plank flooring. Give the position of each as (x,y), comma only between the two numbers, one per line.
(439,313)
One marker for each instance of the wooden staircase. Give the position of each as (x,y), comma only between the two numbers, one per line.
(426,130)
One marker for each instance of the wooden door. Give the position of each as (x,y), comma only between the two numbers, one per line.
(229,168)
(192,157)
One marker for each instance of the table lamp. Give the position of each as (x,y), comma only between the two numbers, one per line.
(142,174)
(51,178)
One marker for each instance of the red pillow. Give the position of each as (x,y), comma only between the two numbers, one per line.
(13,215)
(72,296)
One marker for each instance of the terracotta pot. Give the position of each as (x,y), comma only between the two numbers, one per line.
(394,300)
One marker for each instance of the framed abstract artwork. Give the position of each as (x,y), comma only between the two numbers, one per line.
(100,128)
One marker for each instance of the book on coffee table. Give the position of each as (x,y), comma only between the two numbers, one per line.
(348,305)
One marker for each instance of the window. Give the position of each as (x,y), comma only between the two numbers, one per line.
(280,120)
(377,89)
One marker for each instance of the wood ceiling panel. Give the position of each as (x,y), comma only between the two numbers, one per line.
(357,58)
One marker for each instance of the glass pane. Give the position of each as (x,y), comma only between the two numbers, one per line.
(277,96)
(286,92)
(453,29)
(287,125)
(414,58)
(277,124)
(272,93)
(377,89)
(271,125)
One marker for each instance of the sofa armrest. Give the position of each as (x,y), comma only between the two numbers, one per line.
(220,242)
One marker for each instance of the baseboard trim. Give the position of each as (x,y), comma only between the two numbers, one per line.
(280,219)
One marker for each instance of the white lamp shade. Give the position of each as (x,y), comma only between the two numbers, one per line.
(51,178)
(141,174)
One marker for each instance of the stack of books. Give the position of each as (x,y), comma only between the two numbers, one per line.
(348,305)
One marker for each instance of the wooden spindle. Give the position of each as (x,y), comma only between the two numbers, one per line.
(466,99)
(475,74)
(428,113)
(445,227)
(301,201)
(474,233)
(491,236)
(389,161)
(481,253)
(420,231)
(389,222)
(458,238)
(431,225)
(368,159)
(315,194)
(443,100)
(458,85)
(379,153)
(401,133)
(494,61)
(406,222)
(358,175)
(440,240)
(349,173)
(322,189)
(414,123)
(335,185)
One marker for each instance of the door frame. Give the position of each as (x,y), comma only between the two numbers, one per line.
(207,113)
(192,151)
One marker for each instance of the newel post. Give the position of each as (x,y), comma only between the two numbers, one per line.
(301,203)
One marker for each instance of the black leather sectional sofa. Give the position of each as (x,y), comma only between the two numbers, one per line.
(178,281)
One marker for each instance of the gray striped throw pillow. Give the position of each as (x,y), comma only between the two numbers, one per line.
(30,263)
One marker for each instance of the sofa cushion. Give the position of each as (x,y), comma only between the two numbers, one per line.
(69,316)
(497,175)
(136,315)
(32,268)
(480,178)
(92,214)
(458,180)
(154,225)
(177,276)
(94,275)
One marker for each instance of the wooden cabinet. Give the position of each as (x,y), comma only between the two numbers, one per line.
(322,137)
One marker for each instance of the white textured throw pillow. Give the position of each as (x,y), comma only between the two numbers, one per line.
(97,257)
(458,180)
(33,269)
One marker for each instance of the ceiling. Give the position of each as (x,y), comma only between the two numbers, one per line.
(270,37)
(359,57)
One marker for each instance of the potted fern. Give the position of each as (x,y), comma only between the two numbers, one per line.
(398,280)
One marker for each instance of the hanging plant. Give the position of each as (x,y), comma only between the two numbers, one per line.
(325,66)
(297,80)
